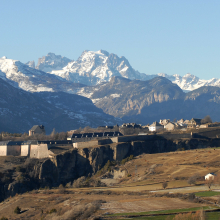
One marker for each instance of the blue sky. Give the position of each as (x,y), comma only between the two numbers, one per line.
(173,37)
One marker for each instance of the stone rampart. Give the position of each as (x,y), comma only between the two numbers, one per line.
(152,137)
(177,136)
(25,150)
(92,143)
(85,144)
(121,151)
(133,138)
(39,151)
(14,150)
(3,150)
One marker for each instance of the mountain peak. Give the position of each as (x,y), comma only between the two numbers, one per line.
(94,67)
(106,53)
(189,75)
(31,64)
(52,62)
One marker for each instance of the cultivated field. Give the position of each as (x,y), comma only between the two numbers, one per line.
(140,191)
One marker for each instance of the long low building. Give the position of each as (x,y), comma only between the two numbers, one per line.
(33,148)
(91,136)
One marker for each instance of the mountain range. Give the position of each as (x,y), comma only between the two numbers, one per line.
(20,110)
(112,89)
(57,73)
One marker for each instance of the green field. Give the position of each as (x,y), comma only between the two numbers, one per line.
(163,211)
(207,193)
(208,216)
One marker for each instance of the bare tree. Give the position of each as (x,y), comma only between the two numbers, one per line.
(62,136)
(193,178)
(164,184)
(206,119)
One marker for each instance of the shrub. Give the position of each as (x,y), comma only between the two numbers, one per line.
(69,185)
(107,167)
(18,169)
(21,178)
(198,215)
(3,218)
(191,196)
(79,182)
(60,186)
(52,211)
(61,189)
(164,184)
(193,179)
(17,210)
(131,157)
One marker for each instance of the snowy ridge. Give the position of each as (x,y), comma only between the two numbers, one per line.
(22,74)
(190,82)
(57,73)
(92,68)
(51,62)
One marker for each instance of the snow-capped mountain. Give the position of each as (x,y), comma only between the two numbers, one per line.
(95,67)
(31,64)
(57,73)
(92,68)
(52,62)
(32,80)
(190,82)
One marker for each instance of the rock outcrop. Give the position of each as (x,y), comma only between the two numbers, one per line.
(70,165)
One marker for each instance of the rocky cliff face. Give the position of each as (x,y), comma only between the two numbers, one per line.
(68,166)
(123,97)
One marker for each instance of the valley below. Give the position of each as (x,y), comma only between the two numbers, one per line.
(118,181)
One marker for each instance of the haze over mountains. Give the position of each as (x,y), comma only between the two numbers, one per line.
(91,68)
(58,83)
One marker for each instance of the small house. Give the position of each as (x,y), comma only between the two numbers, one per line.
(37,129)
(181,121)
(171,126)
(210,176)
(164,121)
(195,121)
(155,126)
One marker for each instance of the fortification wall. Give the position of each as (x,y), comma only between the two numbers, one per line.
(34,151)
(121,151)
(43,151)
(176,136)
(133,138)
(85,144)
(3,150)
(39,151)
(14,150)
(92,143)
(25,150)
(152,137)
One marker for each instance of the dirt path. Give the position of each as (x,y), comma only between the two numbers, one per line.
(188,189)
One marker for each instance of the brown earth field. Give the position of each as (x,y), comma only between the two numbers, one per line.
(81,205)
(138,190)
